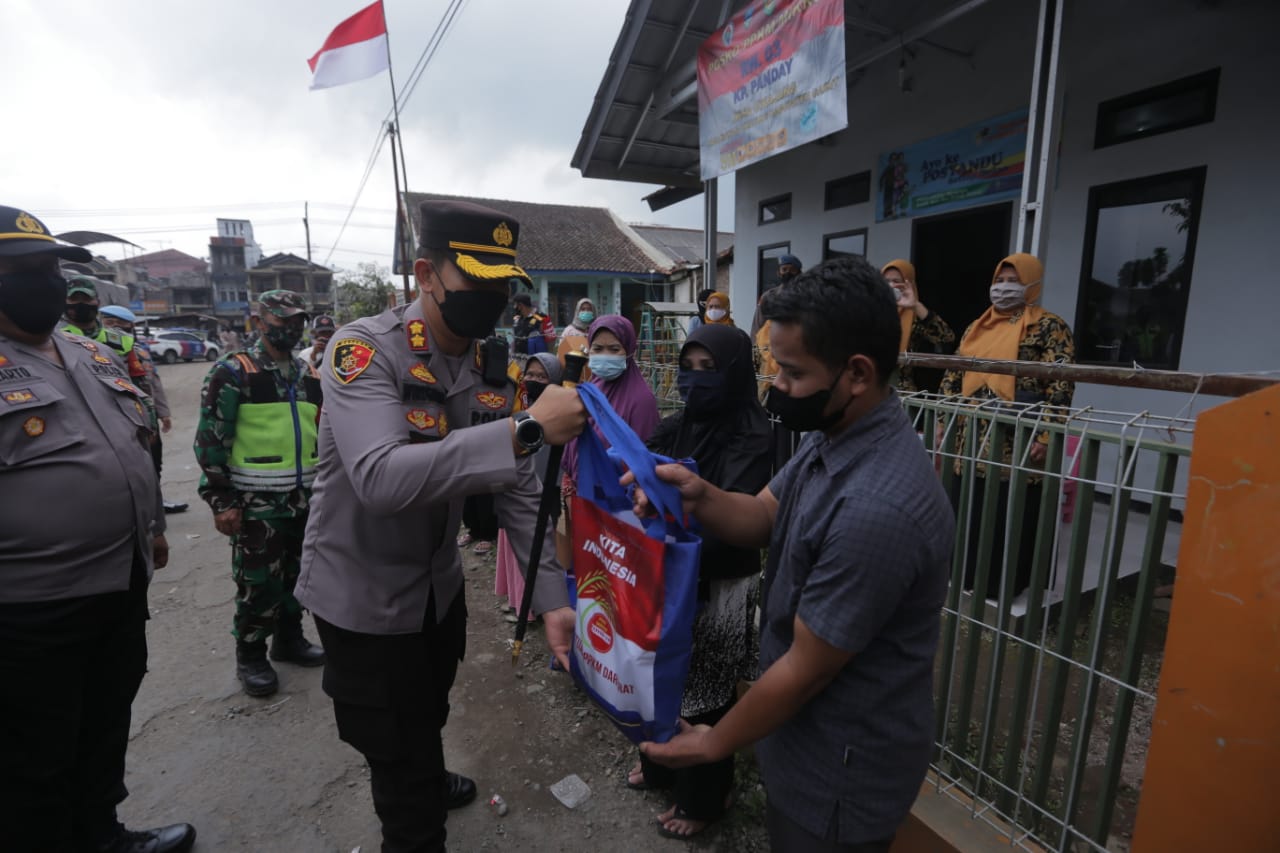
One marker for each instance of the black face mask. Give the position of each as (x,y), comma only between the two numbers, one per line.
(786,276)
(471,313)
(283,338)
(702,392)
(534,388)
(805,414)
(33,299)
(82,313)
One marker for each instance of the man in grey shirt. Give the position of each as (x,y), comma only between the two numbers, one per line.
(859,534)
(80,531)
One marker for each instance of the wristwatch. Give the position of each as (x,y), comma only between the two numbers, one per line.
(529,433)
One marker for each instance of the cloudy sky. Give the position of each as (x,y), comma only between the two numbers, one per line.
(151,118)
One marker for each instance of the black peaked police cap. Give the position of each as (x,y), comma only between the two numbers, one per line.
(479,240)
(23,234)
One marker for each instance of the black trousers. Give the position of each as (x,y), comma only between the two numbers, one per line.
(699,791)
(1027,516)
(70,670)
(787,836)
(481,517)
(391,700)
(157,453)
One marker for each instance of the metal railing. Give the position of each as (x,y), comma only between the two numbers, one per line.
(1044,696)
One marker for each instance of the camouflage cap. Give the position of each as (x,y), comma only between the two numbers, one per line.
(282,303)
(82,284)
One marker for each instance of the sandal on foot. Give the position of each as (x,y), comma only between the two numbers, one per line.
(464,539)
(484,546)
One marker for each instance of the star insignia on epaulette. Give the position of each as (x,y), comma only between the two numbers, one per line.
(417,333)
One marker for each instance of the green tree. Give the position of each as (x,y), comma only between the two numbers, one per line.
(364,292)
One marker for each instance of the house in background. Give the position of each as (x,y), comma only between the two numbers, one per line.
(573,252)
(285,271)
(685,248)
(167,282)
(1156,186)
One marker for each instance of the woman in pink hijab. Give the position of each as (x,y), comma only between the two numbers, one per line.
(611,352)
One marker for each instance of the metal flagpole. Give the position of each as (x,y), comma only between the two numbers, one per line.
(402,212)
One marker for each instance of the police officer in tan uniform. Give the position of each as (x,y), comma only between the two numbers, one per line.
(418,415)
(81,528)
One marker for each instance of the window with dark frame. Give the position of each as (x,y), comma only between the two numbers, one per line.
(847,191)
(1170,106)
(776,209)
(845,243)
(767,268)
(1140,241)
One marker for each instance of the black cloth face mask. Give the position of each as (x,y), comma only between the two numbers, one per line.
(283,338)
(82,313)
(471,313)
(805,414)
(703,392)
(33,299)
(534,388)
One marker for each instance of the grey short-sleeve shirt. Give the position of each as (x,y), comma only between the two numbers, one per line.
(860,552)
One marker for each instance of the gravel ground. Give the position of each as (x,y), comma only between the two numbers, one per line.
(271,775)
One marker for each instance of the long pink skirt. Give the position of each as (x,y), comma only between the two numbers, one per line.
(508,580)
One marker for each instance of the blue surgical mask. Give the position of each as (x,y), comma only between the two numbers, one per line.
(607,367)
(586,316)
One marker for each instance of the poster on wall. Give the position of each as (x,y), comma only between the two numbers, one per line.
(978,164)
(769,80)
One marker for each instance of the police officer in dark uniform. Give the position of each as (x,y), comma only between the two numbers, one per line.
(75,435)
(418,415)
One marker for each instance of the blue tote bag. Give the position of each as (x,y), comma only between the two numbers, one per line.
(637,582)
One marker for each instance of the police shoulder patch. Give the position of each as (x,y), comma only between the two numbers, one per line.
(349,358)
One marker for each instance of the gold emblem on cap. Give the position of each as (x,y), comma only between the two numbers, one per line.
(27,222)
(502,235)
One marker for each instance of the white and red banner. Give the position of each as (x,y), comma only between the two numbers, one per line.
(356,49)
(769,80)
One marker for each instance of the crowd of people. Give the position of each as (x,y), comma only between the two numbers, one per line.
(342,475)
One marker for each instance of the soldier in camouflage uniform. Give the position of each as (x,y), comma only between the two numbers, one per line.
(256,443)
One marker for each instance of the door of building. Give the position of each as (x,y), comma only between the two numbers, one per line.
(954,255)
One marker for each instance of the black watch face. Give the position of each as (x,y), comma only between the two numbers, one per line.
(529,432)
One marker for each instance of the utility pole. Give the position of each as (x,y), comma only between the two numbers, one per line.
(306,224)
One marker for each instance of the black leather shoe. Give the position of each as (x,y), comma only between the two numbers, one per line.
(257,676)
(459,790)
(177,838)
(290,646)
(174,507)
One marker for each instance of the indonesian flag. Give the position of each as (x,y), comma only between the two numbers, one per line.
(356,49)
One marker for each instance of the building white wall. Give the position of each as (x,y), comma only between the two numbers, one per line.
(948,92)
(1108,50)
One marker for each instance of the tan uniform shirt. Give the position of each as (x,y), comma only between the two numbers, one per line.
(402,444)
(80,491)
